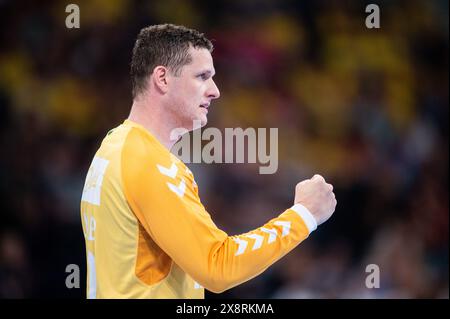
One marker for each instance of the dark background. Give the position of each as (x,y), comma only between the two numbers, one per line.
(365,108)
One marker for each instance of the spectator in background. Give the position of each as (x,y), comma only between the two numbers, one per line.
(367,107)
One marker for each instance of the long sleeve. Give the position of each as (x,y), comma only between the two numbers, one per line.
(163,195)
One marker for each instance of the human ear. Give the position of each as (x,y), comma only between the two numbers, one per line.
(159,77)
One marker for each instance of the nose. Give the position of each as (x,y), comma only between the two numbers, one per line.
(213,91)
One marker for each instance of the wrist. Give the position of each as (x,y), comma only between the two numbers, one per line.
(307,217)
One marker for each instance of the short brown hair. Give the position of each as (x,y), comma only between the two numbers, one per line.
(166,45)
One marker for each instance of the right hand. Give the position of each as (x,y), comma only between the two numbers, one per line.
(317,196)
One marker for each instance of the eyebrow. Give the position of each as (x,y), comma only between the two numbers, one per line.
(208,72)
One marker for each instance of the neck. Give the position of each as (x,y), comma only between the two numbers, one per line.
(154,120)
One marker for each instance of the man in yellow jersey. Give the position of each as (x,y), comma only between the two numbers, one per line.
(147,233)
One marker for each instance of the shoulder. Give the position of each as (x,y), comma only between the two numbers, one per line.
(139,148)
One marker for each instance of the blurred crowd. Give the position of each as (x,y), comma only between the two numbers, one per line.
(365,108)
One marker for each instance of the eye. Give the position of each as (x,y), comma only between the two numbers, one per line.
(204,76)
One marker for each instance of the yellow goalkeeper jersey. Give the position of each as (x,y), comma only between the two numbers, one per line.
(148,235)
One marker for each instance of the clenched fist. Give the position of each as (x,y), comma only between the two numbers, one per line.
(317,196)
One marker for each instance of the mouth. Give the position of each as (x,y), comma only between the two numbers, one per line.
(204,106)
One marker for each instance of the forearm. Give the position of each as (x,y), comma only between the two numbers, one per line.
(240,258)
